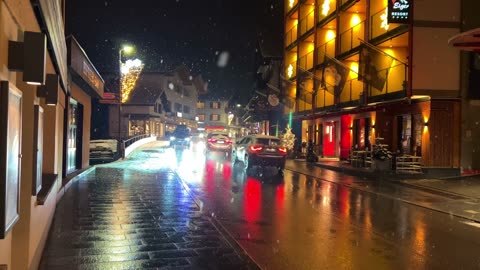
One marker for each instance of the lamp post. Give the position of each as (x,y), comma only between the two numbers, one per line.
(126,49)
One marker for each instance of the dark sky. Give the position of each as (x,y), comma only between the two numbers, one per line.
(167,33)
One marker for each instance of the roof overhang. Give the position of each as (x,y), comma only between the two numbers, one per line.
(468,41)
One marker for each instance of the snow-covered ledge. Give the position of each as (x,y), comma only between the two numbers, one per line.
(138,143)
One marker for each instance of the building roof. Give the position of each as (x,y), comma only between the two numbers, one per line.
(147,90)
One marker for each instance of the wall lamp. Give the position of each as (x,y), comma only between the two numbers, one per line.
(373,126)
(29,57)
(49,91)
(426,124)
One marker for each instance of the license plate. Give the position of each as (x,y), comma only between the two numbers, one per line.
(219,141)
(270,150)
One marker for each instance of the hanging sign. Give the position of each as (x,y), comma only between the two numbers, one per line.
(399,11)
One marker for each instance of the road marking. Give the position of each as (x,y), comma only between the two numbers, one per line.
(471,211)
(474,224)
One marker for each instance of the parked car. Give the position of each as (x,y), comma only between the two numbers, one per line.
(260,150)
(103,151)
(219,141)
(180,136)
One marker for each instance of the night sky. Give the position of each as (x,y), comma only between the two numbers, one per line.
(167,33)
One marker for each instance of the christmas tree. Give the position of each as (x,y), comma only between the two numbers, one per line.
(288,138)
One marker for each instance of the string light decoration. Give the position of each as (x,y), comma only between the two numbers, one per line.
(384,18)
(131,70)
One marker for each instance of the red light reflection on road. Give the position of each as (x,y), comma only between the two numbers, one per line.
(253,200)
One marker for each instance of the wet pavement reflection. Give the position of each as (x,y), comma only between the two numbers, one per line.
(312,218)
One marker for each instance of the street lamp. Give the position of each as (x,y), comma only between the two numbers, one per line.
(125,49)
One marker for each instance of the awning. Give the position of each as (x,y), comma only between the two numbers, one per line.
(468,41)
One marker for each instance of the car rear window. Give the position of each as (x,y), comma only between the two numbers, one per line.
(267,141)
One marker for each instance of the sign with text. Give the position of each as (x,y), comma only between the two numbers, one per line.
(399,11)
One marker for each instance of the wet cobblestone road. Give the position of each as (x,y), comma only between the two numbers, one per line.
(118,217)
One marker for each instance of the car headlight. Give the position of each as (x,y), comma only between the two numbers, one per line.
(172,138)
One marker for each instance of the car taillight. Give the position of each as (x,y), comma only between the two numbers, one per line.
(282,149)
(228,141)
(256,148)
(211,140)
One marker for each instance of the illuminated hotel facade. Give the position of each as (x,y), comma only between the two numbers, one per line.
(413,105)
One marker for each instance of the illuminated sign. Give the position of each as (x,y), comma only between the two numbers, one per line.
(399,11)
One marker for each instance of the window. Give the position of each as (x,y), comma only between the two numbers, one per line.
(186,109)
(186,92)
(215,105)
(201,117)
(178,107)
(200,105)
(214,117)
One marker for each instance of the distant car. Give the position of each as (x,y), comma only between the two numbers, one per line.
(180,136)
(219,141)
(260,150)
(103,151)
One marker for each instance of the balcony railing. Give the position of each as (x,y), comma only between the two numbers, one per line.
(291,36)
(351,38)
(307,23)
(343,2)
(379,25)
(396,79)
(306,62)
(327,49)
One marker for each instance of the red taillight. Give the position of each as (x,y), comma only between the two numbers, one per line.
(282,149)
(211,140)
(228,141)
(256,148)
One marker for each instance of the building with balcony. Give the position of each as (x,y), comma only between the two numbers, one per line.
(212,114)
(360,70)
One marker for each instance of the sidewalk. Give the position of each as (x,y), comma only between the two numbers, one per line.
(126,215)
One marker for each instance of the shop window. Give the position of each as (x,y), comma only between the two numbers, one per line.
(417,134)
(404,141)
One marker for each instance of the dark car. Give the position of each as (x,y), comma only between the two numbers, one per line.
(180,136)
(260,150)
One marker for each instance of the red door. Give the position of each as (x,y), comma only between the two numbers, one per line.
(329,139)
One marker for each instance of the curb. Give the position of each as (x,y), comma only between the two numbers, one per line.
(436,191)
(251,263)
(69,181)
(477,220)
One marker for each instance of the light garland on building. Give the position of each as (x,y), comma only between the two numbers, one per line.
(130,72)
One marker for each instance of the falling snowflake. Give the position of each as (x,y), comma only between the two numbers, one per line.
(171,86)
(223,59)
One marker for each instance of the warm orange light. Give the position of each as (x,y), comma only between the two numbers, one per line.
(355,20)
(329,35)
(310,48)
(384,19)
(354,70)
(325,7)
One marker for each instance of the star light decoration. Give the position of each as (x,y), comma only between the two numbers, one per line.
(290,71)
(384,18)
(131,70)
(325,7)
(290,3)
